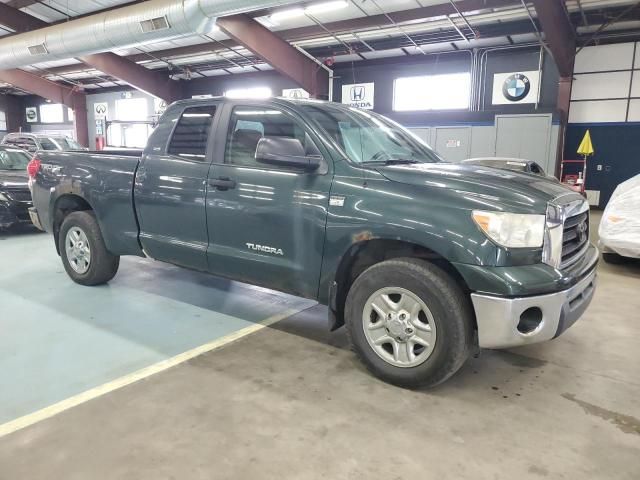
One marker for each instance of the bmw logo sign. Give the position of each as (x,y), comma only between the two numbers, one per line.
(516,87)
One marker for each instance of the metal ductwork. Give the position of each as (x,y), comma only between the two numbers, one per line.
(127,27)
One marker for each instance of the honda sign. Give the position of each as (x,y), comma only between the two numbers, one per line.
(358,95)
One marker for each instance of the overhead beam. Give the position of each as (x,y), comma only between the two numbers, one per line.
(71,97)
(18,20)
(148,81)
(153,83)
(22,3)
(558,32)
(414,15)
(278,53)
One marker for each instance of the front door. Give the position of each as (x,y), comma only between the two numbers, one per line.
(171,188)
(266,223)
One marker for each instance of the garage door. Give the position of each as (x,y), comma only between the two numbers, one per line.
(524,136)
(453,143)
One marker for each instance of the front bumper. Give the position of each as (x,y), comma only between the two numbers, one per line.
(498,317)
(11,214)
(35,219)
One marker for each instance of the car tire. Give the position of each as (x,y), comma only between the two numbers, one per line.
(613,258)
(84,255)
(448,316)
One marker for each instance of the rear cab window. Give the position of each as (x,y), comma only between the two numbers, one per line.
(191,134)
(47,144)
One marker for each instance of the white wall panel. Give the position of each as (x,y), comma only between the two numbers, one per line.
(483,141)
(598,111)
(635,84)
(634,111)
(594,86)
(604,57)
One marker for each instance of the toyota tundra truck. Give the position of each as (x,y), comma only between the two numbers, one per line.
(423,261)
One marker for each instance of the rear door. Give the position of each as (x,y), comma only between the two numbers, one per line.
(170,190)
(266,223)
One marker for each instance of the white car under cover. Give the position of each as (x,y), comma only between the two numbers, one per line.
(620,225)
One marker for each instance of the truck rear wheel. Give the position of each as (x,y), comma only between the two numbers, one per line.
(84,255)
(409,322)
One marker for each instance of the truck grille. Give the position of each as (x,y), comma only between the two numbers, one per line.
(19,195)
(575,237)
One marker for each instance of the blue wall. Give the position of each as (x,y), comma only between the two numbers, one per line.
(617,149)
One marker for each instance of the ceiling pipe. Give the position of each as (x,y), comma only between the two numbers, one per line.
(127,27)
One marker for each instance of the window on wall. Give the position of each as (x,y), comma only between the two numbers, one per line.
(432,92)
(51,113)
(254,92)
(70,114)
(3,121)
(128,134)
(132,109)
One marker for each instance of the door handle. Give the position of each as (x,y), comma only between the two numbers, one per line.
(222,183)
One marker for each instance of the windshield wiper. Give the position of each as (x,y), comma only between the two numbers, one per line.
(391,161)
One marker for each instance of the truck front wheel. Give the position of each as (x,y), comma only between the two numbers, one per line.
(409,322)
(84,255)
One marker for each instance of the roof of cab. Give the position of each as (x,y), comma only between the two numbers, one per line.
(276,100)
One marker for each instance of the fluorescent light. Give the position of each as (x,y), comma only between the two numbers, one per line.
(286,14)
(256,92)
(326,6)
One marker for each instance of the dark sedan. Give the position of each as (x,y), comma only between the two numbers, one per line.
(15,198)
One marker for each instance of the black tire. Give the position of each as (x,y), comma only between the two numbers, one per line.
(103,265)
(613,258)
(452,314)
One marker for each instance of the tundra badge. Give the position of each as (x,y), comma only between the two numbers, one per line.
(264,248)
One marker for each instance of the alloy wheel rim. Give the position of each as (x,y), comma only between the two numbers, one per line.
(78,250)
(399,327)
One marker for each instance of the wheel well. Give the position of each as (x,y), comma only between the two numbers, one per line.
(65,205)
(363,255)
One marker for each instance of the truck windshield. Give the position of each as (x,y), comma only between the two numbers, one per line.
(368,138)
(67,143)
(13,159)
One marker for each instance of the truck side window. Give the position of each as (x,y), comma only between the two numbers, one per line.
(249,124)
(191,134)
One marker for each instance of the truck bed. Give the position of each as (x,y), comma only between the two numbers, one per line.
(107,185)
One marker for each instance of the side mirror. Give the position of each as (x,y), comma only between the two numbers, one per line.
(286,152)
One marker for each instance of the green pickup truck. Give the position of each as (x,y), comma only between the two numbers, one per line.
(423,261)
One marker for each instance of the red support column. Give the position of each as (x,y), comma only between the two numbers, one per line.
(558,32)
(560,38)
(562,105)
(81,119)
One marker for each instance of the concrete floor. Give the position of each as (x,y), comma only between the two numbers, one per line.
(291,401)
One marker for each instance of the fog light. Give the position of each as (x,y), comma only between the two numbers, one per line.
(530,320)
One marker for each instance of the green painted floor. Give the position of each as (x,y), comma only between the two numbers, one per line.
(58,339)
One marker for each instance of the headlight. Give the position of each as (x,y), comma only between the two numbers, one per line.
(512,230)
(3,198)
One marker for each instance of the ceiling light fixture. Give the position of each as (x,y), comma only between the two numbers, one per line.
(326,7)
(287,14)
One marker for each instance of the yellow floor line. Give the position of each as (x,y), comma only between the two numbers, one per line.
(56,408)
